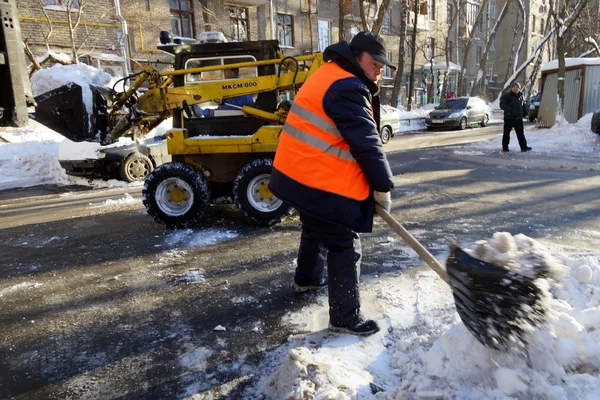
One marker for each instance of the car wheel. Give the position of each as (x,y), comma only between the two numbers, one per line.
(463,124)
(176,195)
(252,196)
(386,134)
(136,167)
(486,119)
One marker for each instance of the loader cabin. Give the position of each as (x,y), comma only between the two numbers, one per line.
(212,51)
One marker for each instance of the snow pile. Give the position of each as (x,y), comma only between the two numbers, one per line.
(570,137)
(30,156)
(303,377)
(81,74)
(432,355)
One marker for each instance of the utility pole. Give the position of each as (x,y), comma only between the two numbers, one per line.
(13,70)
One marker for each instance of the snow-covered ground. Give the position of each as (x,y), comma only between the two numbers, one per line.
(425,352)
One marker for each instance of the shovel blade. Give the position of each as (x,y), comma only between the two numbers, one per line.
(496,305)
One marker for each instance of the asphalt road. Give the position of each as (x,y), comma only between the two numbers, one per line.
(99,302)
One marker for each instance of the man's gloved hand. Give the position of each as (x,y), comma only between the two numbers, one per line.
(384,199)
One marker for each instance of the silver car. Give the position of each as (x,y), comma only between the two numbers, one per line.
(459,113)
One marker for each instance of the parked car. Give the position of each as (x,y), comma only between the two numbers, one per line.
(389,123)
(596,122)
(460,113)
(533,107)
(130,162)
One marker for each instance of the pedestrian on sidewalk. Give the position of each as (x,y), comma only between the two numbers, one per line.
(513,105)
(330,165)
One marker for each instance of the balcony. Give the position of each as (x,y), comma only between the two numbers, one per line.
(422,21)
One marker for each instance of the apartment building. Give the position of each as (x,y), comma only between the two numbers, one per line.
(110,32)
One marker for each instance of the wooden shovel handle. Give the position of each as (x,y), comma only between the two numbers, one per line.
(413,243)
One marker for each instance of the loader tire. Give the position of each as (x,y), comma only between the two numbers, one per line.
(176,195)
(252,196)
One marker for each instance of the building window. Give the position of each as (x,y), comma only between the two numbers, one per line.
(386,29)
(533,24)
(285,30)
(478,54)
(450,49)
(472,10)
(73,4)
(238,17)
(408,48)
(387,71)
(493,45)
(324,34)
(182,18)
(430,48)
(541,26)
(490,73)
(449,13)
(431,9)
(492,9)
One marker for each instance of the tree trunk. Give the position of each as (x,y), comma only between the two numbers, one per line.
(413,50)
(383,7)
(463,68)
(206,15)
(344,8)
(560,86)
(29,53)
(401,52)
(524,15)
(478,87)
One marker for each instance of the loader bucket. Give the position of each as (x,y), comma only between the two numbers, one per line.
(64,111)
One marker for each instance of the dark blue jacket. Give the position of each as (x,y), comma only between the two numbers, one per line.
(348,103)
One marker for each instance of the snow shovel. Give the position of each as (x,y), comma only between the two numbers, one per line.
(496,305)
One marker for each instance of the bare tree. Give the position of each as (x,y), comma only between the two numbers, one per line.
(509,65)
(566,24)
(563,21)
(458,7)
(595,48)
(524,16)
(470,39)
(413,50)
(345,8)
(364,15)
(478,85)
(401,52)
(50,26)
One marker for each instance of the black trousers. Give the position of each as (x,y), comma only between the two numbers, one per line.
(509,124)
(326,243)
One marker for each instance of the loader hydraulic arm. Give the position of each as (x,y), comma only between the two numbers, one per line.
(159,101)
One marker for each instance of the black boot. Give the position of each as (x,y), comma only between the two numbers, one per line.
(526,149)
(361,327)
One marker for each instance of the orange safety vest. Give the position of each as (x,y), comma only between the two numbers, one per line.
(311,150)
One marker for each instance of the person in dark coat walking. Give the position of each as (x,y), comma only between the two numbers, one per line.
(513,105)
(330,165)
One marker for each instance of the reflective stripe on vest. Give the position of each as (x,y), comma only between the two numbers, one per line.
(311,150)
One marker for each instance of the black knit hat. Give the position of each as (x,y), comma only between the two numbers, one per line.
(372,44)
